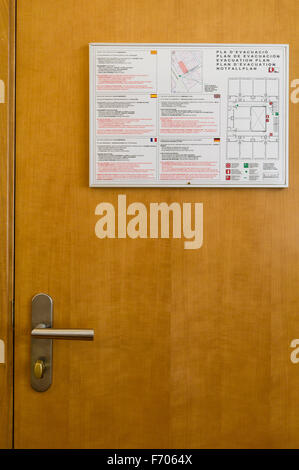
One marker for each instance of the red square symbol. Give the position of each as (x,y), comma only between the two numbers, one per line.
(227,177)
(228,172)
(270,134)
(267,120)
(227,165)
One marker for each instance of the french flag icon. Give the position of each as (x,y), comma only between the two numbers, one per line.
(153,139)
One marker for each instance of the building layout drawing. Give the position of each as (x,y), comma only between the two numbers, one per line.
(186,71)
(253,119)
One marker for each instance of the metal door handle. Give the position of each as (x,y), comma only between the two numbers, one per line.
(42,332)
(42,335)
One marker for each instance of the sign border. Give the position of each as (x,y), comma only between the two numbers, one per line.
(92,183)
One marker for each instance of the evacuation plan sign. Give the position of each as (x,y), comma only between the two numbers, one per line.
(183,115)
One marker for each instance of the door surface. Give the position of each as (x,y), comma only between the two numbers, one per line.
(192,347)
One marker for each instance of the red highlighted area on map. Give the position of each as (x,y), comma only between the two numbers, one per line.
(183,67)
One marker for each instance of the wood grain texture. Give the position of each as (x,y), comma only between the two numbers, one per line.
(191,347)
(7,42)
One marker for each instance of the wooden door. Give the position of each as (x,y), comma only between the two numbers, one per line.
(192,348)
(7,67)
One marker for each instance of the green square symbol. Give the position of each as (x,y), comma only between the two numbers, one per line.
(245,165)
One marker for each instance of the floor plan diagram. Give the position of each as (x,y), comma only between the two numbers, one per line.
(253,119)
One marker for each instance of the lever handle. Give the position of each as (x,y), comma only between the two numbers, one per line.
(41,351)
(42,332)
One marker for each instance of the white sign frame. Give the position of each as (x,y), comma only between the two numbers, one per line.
(187,184)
